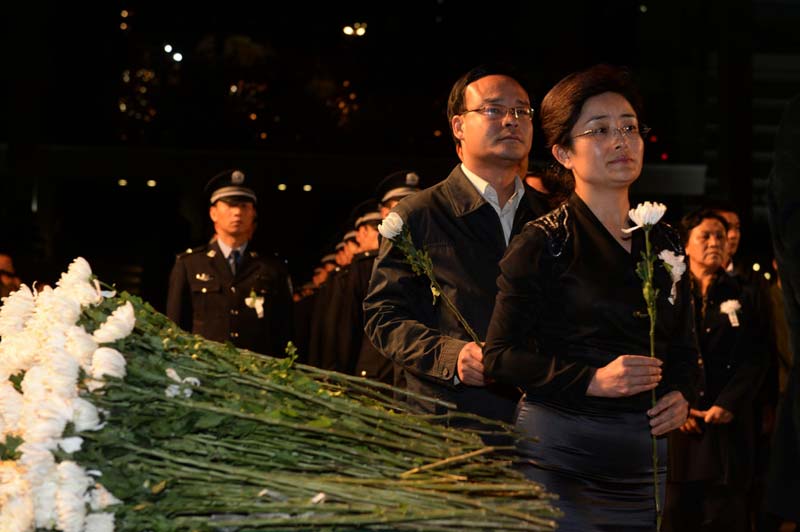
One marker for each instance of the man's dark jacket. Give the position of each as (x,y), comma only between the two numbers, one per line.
(464,237)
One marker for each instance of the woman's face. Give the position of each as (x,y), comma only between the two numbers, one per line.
(607,148)
(706,245)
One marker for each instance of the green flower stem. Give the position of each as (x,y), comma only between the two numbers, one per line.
(650,295)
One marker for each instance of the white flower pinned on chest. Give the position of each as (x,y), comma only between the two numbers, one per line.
(676,267)
(730,307)
(255,302)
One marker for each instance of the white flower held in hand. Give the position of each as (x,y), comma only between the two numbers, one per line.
(676,267)
(730,307)
(645,214)
(391,226)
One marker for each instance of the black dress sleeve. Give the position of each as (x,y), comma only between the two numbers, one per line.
(510,355)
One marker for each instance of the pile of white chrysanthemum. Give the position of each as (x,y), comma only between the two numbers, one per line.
(45,349)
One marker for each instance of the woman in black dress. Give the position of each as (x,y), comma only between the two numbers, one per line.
(570,324)
(712,457)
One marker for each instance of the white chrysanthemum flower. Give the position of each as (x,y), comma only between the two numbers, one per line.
(118,325)
(57,307)
(79,270)
(38,462)
(81,345)
(11,402)
(391,226)
(676,267)
(85,415)
(71,445)
(84,292)
(44,503)
(102,522)
(645,215)
(173,390)
(101,498)
(16,310)
(34,384)
(70,497)
(18,352)
(107,361)
(48,421)
(63,371)
(16,514)
(12,480)
(730,306)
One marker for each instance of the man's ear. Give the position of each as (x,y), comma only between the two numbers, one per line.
(562,155)
(212,212)
(457,124)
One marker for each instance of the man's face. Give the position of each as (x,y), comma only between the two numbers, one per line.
(502,140)
(367,236)
(387,207)
(734,232)
(233,218)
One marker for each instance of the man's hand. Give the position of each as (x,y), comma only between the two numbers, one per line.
(670,413)
(691,426)
(470,365)
(626,375)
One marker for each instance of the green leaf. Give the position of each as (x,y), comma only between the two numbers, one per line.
(8,450)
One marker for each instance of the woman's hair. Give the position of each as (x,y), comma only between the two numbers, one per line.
(562,105)
(696,217)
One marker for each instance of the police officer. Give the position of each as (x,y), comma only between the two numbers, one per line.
(226,291)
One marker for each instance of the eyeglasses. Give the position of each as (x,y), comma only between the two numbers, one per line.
(496,111)
(607,133)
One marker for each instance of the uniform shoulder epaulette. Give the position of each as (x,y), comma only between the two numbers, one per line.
(192,251)
(555,227)
(364,255)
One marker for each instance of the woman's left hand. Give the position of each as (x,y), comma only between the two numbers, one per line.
(669,413)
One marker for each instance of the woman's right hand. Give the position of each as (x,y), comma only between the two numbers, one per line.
(625,375)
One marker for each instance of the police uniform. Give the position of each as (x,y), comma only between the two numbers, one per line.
(250,308)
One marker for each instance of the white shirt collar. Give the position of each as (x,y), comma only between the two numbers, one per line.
(227,250)
(488,192)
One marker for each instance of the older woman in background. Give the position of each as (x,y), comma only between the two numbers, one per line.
(712,456)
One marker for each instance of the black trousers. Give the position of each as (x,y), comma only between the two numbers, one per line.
(705,507)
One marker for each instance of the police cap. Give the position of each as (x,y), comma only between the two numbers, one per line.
(230,185)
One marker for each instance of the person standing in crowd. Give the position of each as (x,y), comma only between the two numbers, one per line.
(465,223)
(9,280)
(350,314)
(713,456)
(226,291)
(570,324)
(395,187)
(783,207)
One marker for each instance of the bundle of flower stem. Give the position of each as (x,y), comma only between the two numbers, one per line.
(198,435)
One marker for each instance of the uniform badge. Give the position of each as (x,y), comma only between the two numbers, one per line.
(412,179)
(237,177)
(211,253)
(202,277)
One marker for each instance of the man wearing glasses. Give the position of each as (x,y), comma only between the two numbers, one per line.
(465,222)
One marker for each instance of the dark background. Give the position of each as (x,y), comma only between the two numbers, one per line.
(88,103)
